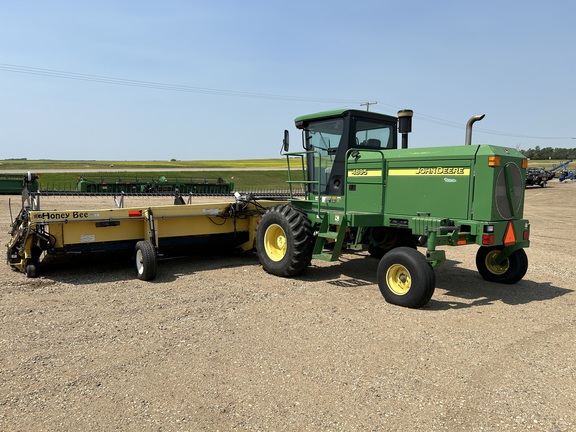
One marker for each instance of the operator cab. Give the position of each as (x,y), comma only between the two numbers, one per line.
(328,136)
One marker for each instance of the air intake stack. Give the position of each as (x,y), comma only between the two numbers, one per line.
(405,125)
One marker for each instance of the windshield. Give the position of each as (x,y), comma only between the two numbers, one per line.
(323,137)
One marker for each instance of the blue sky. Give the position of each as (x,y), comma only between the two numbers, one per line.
(242,71)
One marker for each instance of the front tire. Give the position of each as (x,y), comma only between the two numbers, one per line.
(509,271)
(284,241)
(405,278)
(146,260)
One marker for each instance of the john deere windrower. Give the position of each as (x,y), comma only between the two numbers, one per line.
(364,192)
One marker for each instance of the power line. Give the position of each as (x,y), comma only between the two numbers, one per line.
(461,126)
(493,132)
(448,123)
(163,86)
(54,73)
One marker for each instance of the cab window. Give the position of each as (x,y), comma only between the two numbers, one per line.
(374,135)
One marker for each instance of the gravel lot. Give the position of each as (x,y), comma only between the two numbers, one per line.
(215,343)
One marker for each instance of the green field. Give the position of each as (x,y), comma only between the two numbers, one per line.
(227,165)
(270,175)
(39,165)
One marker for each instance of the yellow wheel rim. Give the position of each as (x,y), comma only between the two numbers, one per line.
(497,269)
(275,242)
(398,279)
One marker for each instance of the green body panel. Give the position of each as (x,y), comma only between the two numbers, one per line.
(365,177)
(434,183)
(442,182)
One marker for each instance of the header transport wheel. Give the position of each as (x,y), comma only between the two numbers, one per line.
(146,260)
(509,271)
(284,240)
(405,278)
(31,270)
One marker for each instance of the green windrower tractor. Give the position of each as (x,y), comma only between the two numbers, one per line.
(364,193)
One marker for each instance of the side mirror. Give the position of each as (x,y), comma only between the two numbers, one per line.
(286,141)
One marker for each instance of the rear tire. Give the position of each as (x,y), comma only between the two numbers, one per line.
(405,278)
(284,241)
(146,260)
(399,239)
(509,271)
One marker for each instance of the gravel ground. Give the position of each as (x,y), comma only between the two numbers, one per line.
(215,343)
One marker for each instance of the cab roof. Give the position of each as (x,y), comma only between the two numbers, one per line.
(302,121)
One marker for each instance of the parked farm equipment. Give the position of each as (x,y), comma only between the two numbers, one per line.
(537,177)
(541,176)
(561,166)
(363,192)
(11,184)
(567,175)
(161,184)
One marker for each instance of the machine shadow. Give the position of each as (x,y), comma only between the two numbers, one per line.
(87,268)
(352,271)
(468,285)
(91,268)
(451,281)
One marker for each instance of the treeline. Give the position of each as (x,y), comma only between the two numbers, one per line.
(549,153)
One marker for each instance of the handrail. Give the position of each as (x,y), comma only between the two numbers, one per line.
(318,183)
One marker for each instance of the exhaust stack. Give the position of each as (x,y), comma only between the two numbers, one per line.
(472,120)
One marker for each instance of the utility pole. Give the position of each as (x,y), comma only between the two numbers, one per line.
(367,105)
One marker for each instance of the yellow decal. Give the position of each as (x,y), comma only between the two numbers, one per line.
(362,172)
(432,171)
